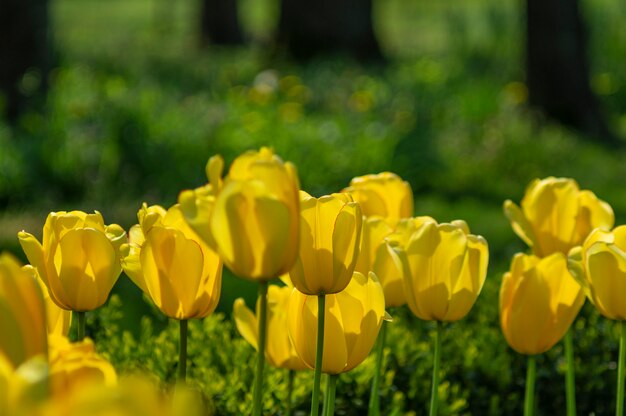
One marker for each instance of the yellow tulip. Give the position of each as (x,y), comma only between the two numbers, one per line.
(169,262)
(252,217)
(447,269)
(330,233)
(385,195)
(379,255)
(599,265)
(353,318)
(74,366)
(279,351)
(79,259)
(539,300)
(22,313)
(555,215)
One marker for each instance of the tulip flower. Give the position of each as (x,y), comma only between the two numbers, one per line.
(76,365)
(555,215)
(599,265)
(178,271)
(539,300)
(78,259)
(353,318)
(58,320)
(22,313)
(385,195)
(279,352)
(447,267)
(252,220)
(330,233)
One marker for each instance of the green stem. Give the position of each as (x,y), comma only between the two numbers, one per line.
(619,406)
(290,378)
(374,405)
(258,381)
(81,325)
(570,386)
(330,395)
(182,351)
(434,395)
(529,401)
(315,398)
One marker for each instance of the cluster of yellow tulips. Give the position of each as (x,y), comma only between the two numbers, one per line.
(328,269)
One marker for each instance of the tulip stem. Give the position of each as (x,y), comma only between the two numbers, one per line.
(374,405)
(81,325)
(619,406)
(529,401)
(182,352)
(331,384)
(434,395)
(315,398)
(290,378)
(258,381)
(570,387)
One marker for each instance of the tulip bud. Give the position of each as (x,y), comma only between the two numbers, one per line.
(279,350)
(447,269)
(330,233)
(385,195)
(353,318)
(599,265)
(22,313)
(539,300)
(169,262)
(555,215)
(79,259)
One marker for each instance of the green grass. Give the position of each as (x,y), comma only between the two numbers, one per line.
(135,110)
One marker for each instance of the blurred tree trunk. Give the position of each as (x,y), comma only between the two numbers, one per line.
(25,53)
(220,23)
(557,70)
(310,27)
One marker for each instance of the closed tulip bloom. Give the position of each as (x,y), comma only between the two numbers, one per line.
(555,215)
(385,195)
(599,265)
(539,300)
(169,262)
(76,365)
(22,313)
(330,233)
(447,269)
(253,218)
(279,351)
(379,255)
(78,259)
(353,318)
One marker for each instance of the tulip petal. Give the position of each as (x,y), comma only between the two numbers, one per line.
(606,269)
(346,236)
(519,223)
(246,322)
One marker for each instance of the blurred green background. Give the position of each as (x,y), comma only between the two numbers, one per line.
(135,107)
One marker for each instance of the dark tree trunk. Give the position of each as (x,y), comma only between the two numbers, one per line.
(220,23)
(557,70)
(311,27)
(25,53)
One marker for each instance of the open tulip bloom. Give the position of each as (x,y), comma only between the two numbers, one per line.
(78,260)
(251,218)
(178,271)
(353,318)
(446,267)
(555,216)
(599,265)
